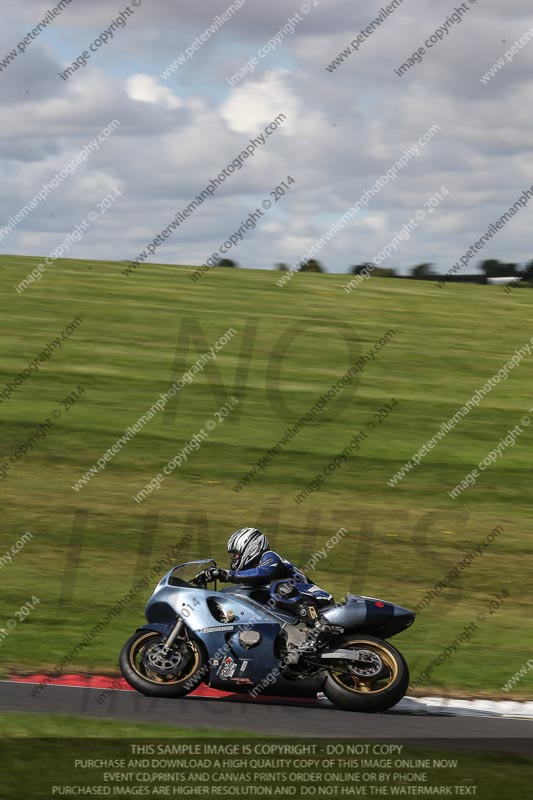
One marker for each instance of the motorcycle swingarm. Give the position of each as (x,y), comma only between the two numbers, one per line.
(349,655)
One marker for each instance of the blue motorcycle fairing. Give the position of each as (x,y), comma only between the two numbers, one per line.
(199,607)
(234,665)
(370,615)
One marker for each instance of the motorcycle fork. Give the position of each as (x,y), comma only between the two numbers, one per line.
(174,633)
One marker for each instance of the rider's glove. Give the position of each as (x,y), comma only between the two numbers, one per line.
(213,574)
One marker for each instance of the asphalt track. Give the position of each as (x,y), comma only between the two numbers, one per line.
(483,732)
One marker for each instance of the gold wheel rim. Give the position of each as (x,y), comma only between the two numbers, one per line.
(136,648)
(361,685)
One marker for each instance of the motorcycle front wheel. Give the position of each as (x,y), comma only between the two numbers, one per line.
(151,671)
(375,681)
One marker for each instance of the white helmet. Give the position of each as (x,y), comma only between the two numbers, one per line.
(246,545)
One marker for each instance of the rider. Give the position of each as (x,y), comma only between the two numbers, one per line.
(253,563)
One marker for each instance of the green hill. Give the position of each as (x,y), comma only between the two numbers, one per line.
(399,358)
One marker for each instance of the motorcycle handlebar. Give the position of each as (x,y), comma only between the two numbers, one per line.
(200,579)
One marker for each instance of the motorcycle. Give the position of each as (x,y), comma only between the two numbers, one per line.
(237,639)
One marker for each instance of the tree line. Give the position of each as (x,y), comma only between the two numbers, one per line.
(490,268)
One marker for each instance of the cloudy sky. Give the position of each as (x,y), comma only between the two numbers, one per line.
(344,127)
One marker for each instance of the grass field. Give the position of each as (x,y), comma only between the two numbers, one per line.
(21,725)
(140,333)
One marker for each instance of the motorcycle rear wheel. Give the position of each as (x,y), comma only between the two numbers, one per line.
(133,664)
(384,685)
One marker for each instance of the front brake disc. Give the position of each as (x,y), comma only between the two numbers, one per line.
(155,659)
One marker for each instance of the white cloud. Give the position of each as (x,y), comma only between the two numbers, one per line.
(258,102)
(376,222)
(146,89)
